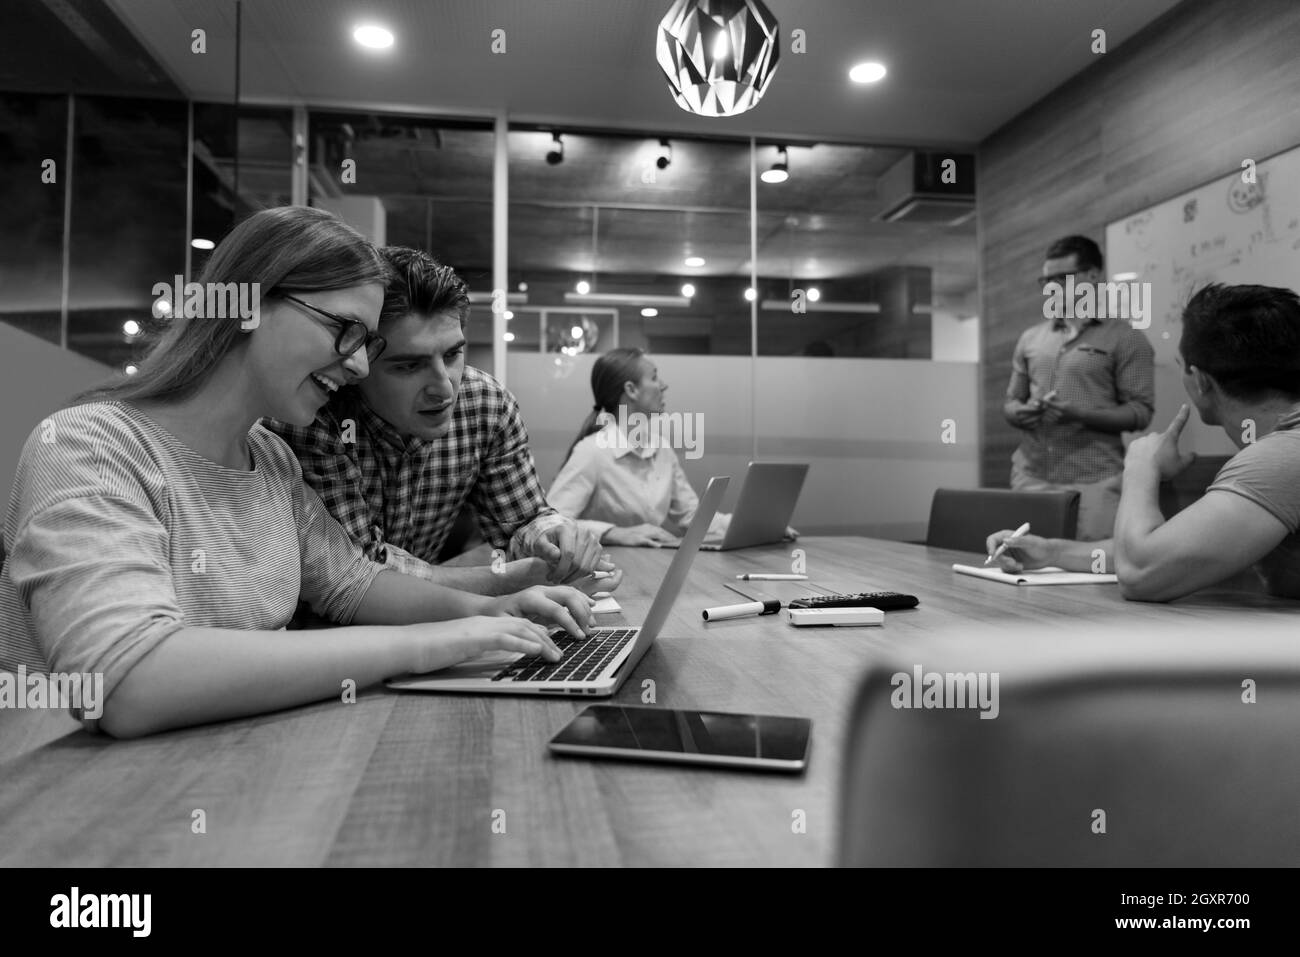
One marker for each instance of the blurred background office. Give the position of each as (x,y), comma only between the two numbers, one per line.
(805,279)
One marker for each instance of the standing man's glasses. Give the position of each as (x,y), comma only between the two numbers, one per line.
(353,334)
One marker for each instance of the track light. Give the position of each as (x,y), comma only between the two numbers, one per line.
(665,154)
(556,155)
(780,170)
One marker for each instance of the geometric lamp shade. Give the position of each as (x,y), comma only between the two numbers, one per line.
(719,55)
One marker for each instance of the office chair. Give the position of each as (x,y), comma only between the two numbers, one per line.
(1112,747)
(962,519)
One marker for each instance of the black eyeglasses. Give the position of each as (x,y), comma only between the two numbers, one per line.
(1058,278)
(352,336)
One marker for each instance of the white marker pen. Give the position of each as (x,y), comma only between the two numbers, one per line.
(740,611)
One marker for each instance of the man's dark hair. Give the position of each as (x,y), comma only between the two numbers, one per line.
(1083,249)
(422,285)
(1247,337)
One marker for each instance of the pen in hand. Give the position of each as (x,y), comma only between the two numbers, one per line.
(1006,542)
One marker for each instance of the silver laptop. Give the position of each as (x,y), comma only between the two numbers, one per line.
(763,508)
(597,665)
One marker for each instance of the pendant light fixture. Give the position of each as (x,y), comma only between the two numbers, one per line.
(719,55)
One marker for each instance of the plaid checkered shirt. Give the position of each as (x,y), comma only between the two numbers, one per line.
(398,498)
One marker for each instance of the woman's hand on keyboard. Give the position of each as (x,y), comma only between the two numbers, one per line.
(441,644)
(555,605)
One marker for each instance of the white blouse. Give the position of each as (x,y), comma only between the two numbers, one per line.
(608,481)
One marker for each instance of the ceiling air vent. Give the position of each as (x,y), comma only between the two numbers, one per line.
(933,188)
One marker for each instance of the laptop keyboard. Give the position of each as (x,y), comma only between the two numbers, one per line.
(583,660)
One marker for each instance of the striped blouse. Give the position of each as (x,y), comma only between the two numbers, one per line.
(118,536)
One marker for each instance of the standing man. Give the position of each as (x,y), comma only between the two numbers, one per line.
(395,455)
(1076,385)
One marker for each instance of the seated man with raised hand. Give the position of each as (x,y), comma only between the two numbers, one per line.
(396,455)
(1240,355)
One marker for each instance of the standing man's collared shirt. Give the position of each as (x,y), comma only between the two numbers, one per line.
(1101,365)
(399,498)
(608,481)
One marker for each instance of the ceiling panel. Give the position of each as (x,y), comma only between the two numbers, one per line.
(958,70)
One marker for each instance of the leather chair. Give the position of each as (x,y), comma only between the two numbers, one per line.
(1141,730)
(962,519)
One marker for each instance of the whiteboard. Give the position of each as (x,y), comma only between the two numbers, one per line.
(1226,231)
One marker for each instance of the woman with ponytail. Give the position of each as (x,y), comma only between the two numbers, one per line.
(158,537)
(629,489)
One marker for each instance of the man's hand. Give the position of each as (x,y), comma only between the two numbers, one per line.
(1027,551)
(519,574)
(1160,449)
(1058,410)
(591,585)
(1025,415)
(651,536)
(571,553)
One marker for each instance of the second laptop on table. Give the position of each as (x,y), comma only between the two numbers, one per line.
(764,507)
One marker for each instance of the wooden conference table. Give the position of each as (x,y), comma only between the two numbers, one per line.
(416,779)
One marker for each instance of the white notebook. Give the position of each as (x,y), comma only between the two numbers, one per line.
(1050,575)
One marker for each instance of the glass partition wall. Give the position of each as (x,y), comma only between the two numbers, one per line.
(614,239)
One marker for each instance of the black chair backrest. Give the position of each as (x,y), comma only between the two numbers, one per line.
(962,519)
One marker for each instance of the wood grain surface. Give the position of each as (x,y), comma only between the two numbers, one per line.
(416,779)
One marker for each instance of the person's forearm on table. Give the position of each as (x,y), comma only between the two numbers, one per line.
(199,675)
(1076,556)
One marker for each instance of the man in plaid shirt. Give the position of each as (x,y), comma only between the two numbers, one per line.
(397,455)
(1076,385)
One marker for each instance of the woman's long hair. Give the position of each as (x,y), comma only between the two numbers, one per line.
(608,376)
(290,247)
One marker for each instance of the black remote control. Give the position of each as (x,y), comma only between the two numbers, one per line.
(884,600)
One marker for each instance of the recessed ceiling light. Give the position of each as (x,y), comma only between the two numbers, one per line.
(372,36)
(649,312)
(750,295)
(202,244)
(867,73)
(575,332)
(814,293)
(131,327)
(688,290)
(694,262)
(130,368)
(509,337)
(509,315)
(583,287)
